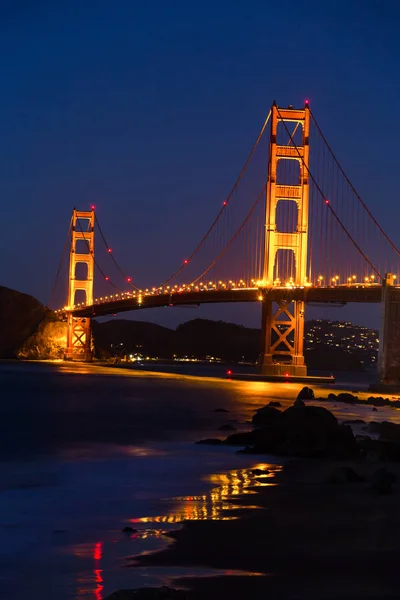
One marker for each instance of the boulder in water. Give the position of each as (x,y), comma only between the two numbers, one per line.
(129,529)
(267,416)
(306,394)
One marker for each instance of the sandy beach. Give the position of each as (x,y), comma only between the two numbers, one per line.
(310,537)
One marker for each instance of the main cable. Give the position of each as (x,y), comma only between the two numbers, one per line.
(261,195)
(127,279)
(95,261)
(327,201)
(353,188)
(224,206)
(60,264)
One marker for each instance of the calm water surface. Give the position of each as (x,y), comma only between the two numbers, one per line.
(85,451)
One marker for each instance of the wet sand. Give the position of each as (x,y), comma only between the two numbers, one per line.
(310,539)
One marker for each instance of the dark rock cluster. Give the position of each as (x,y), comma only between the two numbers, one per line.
(300,430)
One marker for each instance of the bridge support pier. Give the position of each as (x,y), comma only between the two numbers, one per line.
(79,339)
(283,338)
(389,336)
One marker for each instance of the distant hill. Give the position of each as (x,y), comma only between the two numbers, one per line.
(29,330)
(198,338)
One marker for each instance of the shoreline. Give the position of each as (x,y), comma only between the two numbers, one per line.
(324,527)
(309,539)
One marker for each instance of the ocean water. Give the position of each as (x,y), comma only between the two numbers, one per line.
(86,451)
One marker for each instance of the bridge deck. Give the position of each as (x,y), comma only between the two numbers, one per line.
(328,295)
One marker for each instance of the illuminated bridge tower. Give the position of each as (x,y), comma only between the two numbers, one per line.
(81,273)
(283,319)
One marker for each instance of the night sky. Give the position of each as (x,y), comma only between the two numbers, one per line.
(149,109)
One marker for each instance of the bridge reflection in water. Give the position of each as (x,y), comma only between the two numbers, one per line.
(217,504)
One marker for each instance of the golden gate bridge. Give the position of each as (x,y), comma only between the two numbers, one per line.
(293,230)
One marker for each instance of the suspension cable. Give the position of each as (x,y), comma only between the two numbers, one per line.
(127,279)
(233,238)
(353,188)
(60,264)
(95,261)
(327,201)
(224,206)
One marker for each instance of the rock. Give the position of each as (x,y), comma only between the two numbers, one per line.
(385,430)
(354,422)
(227,428)
(382,481)
(211,441)
(306,394)
(274,404)
(163,593)
(374,409)
(379,401)
(313,431)
(129,529)
(302,431)
(243,438)
(345,475)
(267,416)
(347,398)
(259,472)
(299,403)
(221,410)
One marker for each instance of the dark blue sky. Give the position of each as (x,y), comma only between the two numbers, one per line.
(148,109)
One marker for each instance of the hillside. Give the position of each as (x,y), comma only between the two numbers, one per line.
(28,330)
(20,315)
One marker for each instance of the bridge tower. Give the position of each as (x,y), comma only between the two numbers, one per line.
(81,252)
(283,321)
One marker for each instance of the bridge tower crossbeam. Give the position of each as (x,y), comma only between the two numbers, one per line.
(283,327)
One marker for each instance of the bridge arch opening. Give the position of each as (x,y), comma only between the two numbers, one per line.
(288,171)
(81,247)
(80,297)
(81,271)
(295,130)
(286,217)
(285,266)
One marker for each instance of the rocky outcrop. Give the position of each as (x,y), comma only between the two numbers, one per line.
(374,401)
(299,431)
(306,394)
(47,342)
